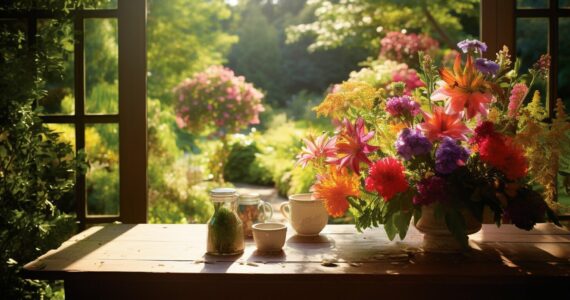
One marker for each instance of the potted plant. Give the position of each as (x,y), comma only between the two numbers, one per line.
(461,144)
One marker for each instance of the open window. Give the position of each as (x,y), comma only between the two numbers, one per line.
(76,112)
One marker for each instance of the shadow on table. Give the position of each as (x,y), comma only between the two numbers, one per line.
(77,248)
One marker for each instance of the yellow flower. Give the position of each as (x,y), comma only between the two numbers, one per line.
(494,115)
(543,144)
(357,95)
(535,108)
(334,187)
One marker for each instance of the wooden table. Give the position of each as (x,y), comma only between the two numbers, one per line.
(168,261)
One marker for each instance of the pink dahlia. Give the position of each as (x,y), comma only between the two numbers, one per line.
(352,147)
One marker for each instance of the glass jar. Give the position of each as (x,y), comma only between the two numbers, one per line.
(253,210)
(225,229)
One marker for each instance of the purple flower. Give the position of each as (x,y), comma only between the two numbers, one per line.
(472,45)
(449,156)
(402,106)
(486,66)
(412,143)
(430,190)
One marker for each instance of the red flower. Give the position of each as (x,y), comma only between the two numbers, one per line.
(440,125)
(503,154)
(387,178)
(352,145)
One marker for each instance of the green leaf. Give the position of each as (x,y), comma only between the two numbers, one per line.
(390,229)
(552,216)
(402,222)
(438,212)
(417,214)
(456,225)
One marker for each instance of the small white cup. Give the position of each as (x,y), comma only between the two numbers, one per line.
(269,237)
(307,215)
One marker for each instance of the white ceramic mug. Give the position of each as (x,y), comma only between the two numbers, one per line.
(269,237)
(307,214)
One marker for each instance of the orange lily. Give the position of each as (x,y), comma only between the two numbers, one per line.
(442,124)
(465,89)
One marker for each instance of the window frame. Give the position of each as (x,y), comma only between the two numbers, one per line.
(132,115)
(498,27)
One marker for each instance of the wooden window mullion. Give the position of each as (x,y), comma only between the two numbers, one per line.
(132,111)
(79,96)
(553,50)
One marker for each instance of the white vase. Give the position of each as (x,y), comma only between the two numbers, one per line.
(437,237)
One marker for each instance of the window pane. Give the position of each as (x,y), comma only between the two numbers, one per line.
(60,98)
(564,3)
(564,61)
(102,4)
(525,4)
(101,66)
(532,42)
(102,182)
(66,132)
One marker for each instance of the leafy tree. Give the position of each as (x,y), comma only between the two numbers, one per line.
(359,22)
(258,54)
(37,170)
(284,70)
(184,36)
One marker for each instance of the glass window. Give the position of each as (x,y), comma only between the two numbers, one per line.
(564,61)
(526,4)
(531,43)
(102,4)
(66,132)
(101,66)
(59,99)
(102,180)
(564,3)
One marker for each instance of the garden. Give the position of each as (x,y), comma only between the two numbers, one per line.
(246,92)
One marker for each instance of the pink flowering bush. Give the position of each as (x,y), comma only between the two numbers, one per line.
(381,73)
(217,101)
(403,47)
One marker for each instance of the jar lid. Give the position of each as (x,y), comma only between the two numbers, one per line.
(221,192)
(249,198)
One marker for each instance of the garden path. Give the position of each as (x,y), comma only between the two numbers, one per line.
(268,194)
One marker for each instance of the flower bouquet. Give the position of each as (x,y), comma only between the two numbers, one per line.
(463,145)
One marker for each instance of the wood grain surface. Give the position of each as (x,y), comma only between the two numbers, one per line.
(151,261)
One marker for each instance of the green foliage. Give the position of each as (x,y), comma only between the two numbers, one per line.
(301,180)
(37,169)
(175,195)
(456,225)
(184,36)
(360,22)
(396,214)
(242,166)
(257,55)
(281,69)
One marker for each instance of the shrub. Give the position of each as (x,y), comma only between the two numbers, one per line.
(175,192)
(403,47)
(217,100)
(243,166)
(37,169)
(302,179)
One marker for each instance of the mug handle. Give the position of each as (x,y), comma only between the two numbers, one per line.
(285,210)
(267,210)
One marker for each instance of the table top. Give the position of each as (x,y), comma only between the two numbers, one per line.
(167,251)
